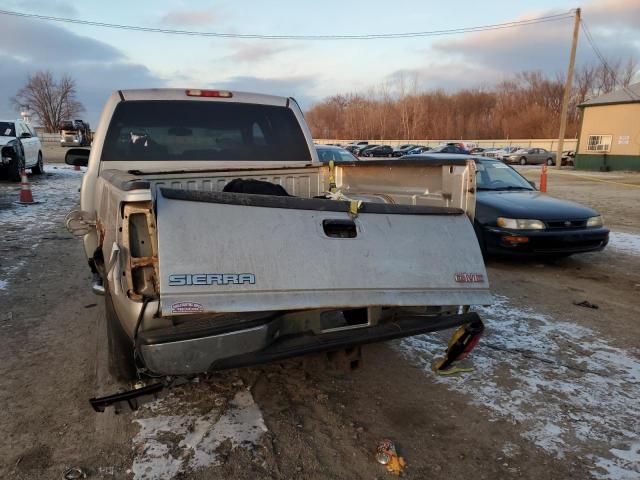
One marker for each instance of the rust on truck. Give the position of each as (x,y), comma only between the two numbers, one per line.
(140,241)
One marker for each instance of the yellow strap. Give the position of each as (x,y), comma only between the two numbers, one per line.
(454,371)
(332,178)
(354,206)
(449,371)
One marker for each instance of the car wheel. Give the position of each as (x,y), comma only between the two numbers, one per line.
(15,168)
(523,161)
(480,236)
(39,167)
(121,359)
(550,161)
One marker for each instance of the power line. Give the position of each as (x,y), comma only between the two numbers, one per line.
(603,60)
(373,36)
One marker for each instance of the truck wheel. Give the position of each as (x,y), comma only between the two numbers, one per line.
(15,168)
(39,167)
(523,161)
(550,161)
(121,361)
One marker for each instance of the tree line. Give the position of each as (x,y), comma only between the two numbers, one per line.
(526,105)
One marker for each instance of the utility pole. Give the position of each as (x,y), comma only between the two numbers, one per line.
(567,90)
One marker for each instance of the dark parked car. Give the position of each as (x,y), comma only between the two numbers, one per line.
(379,151)
(417,150)
(512,217)
(449,148)
(363,148)
(402,150)
(326,153)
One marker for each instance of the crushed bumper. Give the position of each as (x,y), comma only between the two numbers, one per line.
(261,343)
(546,242)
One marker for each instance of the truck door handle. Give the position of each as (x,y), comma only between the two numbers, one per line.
(339,228)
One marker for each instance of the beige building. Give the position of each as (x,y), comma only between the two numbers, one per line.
(610,131)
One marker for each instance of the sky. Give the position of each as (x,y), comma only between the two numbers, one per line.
(103,60)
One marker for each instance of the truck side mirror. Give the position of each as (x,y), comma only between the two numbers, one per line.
(77,156)
(25,135)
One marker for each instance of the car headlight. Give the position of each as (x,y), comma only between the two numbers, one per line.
(520,223)
(595,221)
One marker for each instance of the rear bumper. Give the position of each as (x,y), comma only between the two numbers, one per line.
(546,242)
(177,354)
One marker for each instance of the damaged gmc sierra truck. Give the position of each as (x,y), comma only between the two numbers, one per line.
(219,240)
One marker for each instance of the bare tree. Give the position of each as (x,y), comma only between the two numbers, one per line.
(51,101)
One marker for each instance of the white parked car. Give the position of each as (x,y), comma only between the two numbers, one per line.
(21,148)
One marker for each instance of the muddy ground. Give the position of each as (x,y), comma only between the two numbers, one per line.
(553,393)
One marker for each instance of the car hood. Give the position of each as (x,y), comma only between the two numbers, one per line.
(531,204)
(5,140)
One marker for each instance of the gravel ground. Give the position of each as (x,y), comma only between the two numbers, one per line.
(553,393)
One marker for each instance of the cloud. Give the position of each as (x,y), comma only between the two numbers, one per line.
(613,13)
(40,41)
(58,7)
(296,86)
(546,46)
(189,18)
(257,51)
(98,68)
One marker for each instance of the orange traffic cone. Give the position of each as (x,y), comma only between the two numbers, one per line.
(543,179)
(25,189)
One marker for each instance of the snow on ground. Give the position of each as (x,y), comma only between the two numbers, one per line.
(25,226)
(625,242)
(169,445)
(566,386)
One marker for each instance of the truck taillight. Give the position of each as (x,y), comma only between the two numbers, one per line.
(209,93)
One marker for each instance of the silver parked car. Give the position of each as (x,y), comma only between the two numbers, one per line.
(531,156)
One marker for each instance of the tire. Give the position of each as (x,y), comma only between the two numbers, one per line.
(480,236)
(550,162)
(38,169)
(523,160)
(15,168)
(121,359)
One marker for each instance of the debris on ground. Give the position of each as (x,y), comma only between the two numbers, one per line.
(74,473)
(387,455)
(586,304)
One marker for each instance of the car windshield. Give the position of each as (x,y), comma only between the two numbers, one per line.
(7,129)
(498,176)
(335,154)
(203,130)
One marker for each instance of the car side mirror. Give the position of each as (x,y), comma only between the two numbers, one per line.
(77,157)
(25,135)
(532,183)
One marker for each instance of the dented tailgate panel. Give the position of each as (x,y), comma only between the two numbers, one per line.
(226,257)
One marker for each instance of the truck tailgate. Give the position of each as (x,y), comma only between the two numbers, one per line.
(225,252)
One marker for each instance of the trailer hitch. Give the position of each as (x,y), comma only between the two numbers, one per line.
(131,398)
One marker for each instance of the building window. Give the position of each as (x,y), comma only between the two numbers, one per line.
(599,143)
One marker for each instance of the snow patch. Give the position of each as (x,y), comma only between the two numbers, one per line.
(169,445)
(3,284)
(570,390)
(625,242)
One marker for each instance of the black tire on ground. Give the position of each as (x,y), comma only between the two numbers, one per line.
(39,167)
(121,359)
(523,160)
(16,165)
(550,161)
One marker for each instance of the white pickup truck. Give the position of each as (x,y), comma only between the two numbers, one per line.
(221,241)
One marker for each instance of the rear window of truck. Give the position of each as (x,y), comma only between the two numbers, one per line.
(157,130)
